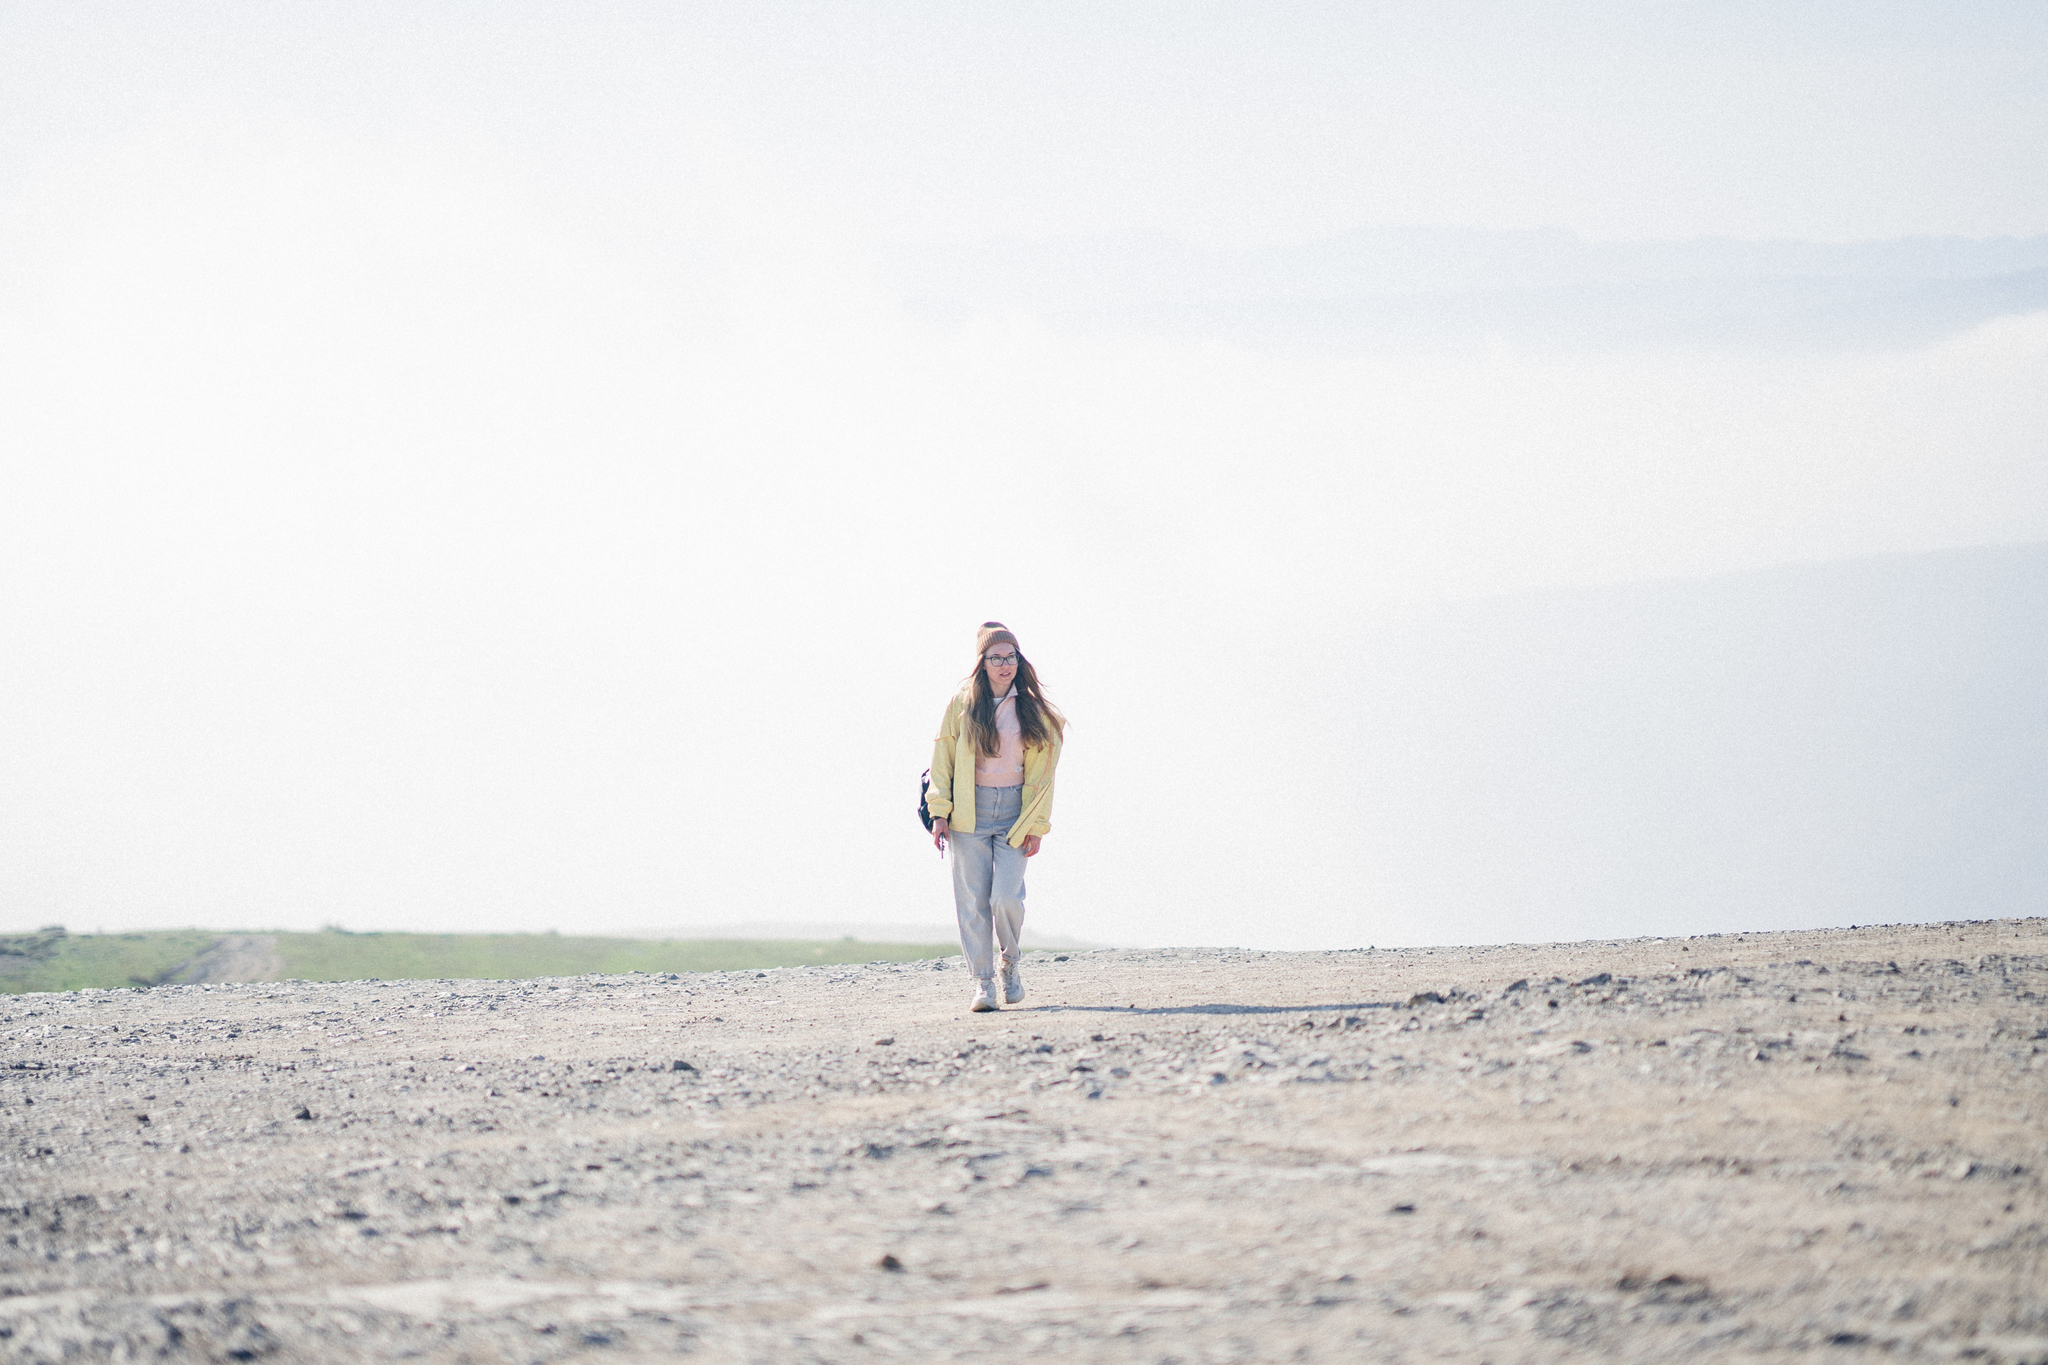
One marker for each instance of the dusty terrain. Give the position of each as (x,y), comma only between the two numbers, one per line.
(1824,1145)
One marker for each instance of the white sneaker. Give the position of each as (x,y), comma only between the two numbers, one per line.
(1013,984)
(984,995)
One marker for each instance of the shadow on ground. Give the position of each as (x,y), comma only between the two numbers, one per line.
(1216,1008)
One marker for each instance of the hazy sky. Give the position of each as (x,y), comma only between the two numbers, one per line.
(1235,123)
(461,467)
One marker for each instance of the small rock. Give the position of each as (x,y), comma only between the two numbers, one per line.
(1402,1208)
(304,1113)
(1640,1279)
(680,1065)
(890,1263)
(885,1042)
(1597,979)
(1425,998)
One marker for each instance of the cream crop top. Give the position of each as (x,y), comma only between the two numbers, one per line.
(1006,769)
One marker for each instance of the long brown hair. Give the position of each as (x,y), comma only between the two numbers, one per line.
(1038,719)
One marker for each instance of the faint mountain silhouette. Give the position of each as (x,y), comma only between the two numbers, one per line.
(1844,743)
(1404,288)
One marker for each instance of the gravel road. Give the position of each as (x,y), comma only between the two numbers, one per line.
(1820,1145)
(236,957)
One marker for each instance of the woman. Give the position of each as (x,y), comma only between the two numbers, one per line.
(991,797)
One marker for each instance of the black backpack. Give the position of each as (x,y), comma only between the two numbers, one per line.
(924,784)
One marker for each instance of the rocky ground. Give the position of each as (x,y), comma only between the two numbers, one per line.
(1824,1145)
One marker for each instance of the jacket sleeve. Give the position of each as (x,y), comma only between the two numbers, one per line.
(939,798)
(1042,826)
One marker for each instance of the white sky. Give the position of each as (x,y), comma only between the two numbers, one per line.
(458,468)
(1228,123)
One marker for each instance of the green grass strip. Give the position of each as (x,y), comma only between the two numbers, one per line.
(52,960)
(56,961)
(412,957)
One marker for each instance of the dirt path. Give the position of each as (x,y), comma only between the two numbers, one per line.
(234,957)
(1823,1145)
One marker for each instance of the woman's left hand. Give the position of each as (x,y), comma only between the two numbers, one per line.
(1031,845)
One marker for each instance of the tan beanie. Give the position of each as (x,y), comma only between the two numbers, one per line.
(994,632)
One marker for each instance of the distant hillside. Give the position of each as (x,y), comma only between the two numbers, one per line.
(1834,743)
(52,960)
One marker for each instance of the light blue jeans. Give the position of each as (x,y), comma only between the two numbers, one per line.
(988,880)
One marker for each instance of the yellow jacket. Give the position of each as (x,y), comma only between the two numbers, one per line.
(952,787)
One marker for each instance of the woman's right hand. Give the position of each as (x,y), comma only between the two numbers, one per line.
(939,834)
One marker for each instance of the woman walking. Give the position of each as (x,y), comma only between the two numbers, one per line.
(991,798)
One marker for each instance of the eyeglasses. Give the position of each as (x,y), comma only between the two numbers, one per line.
(1002,660)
